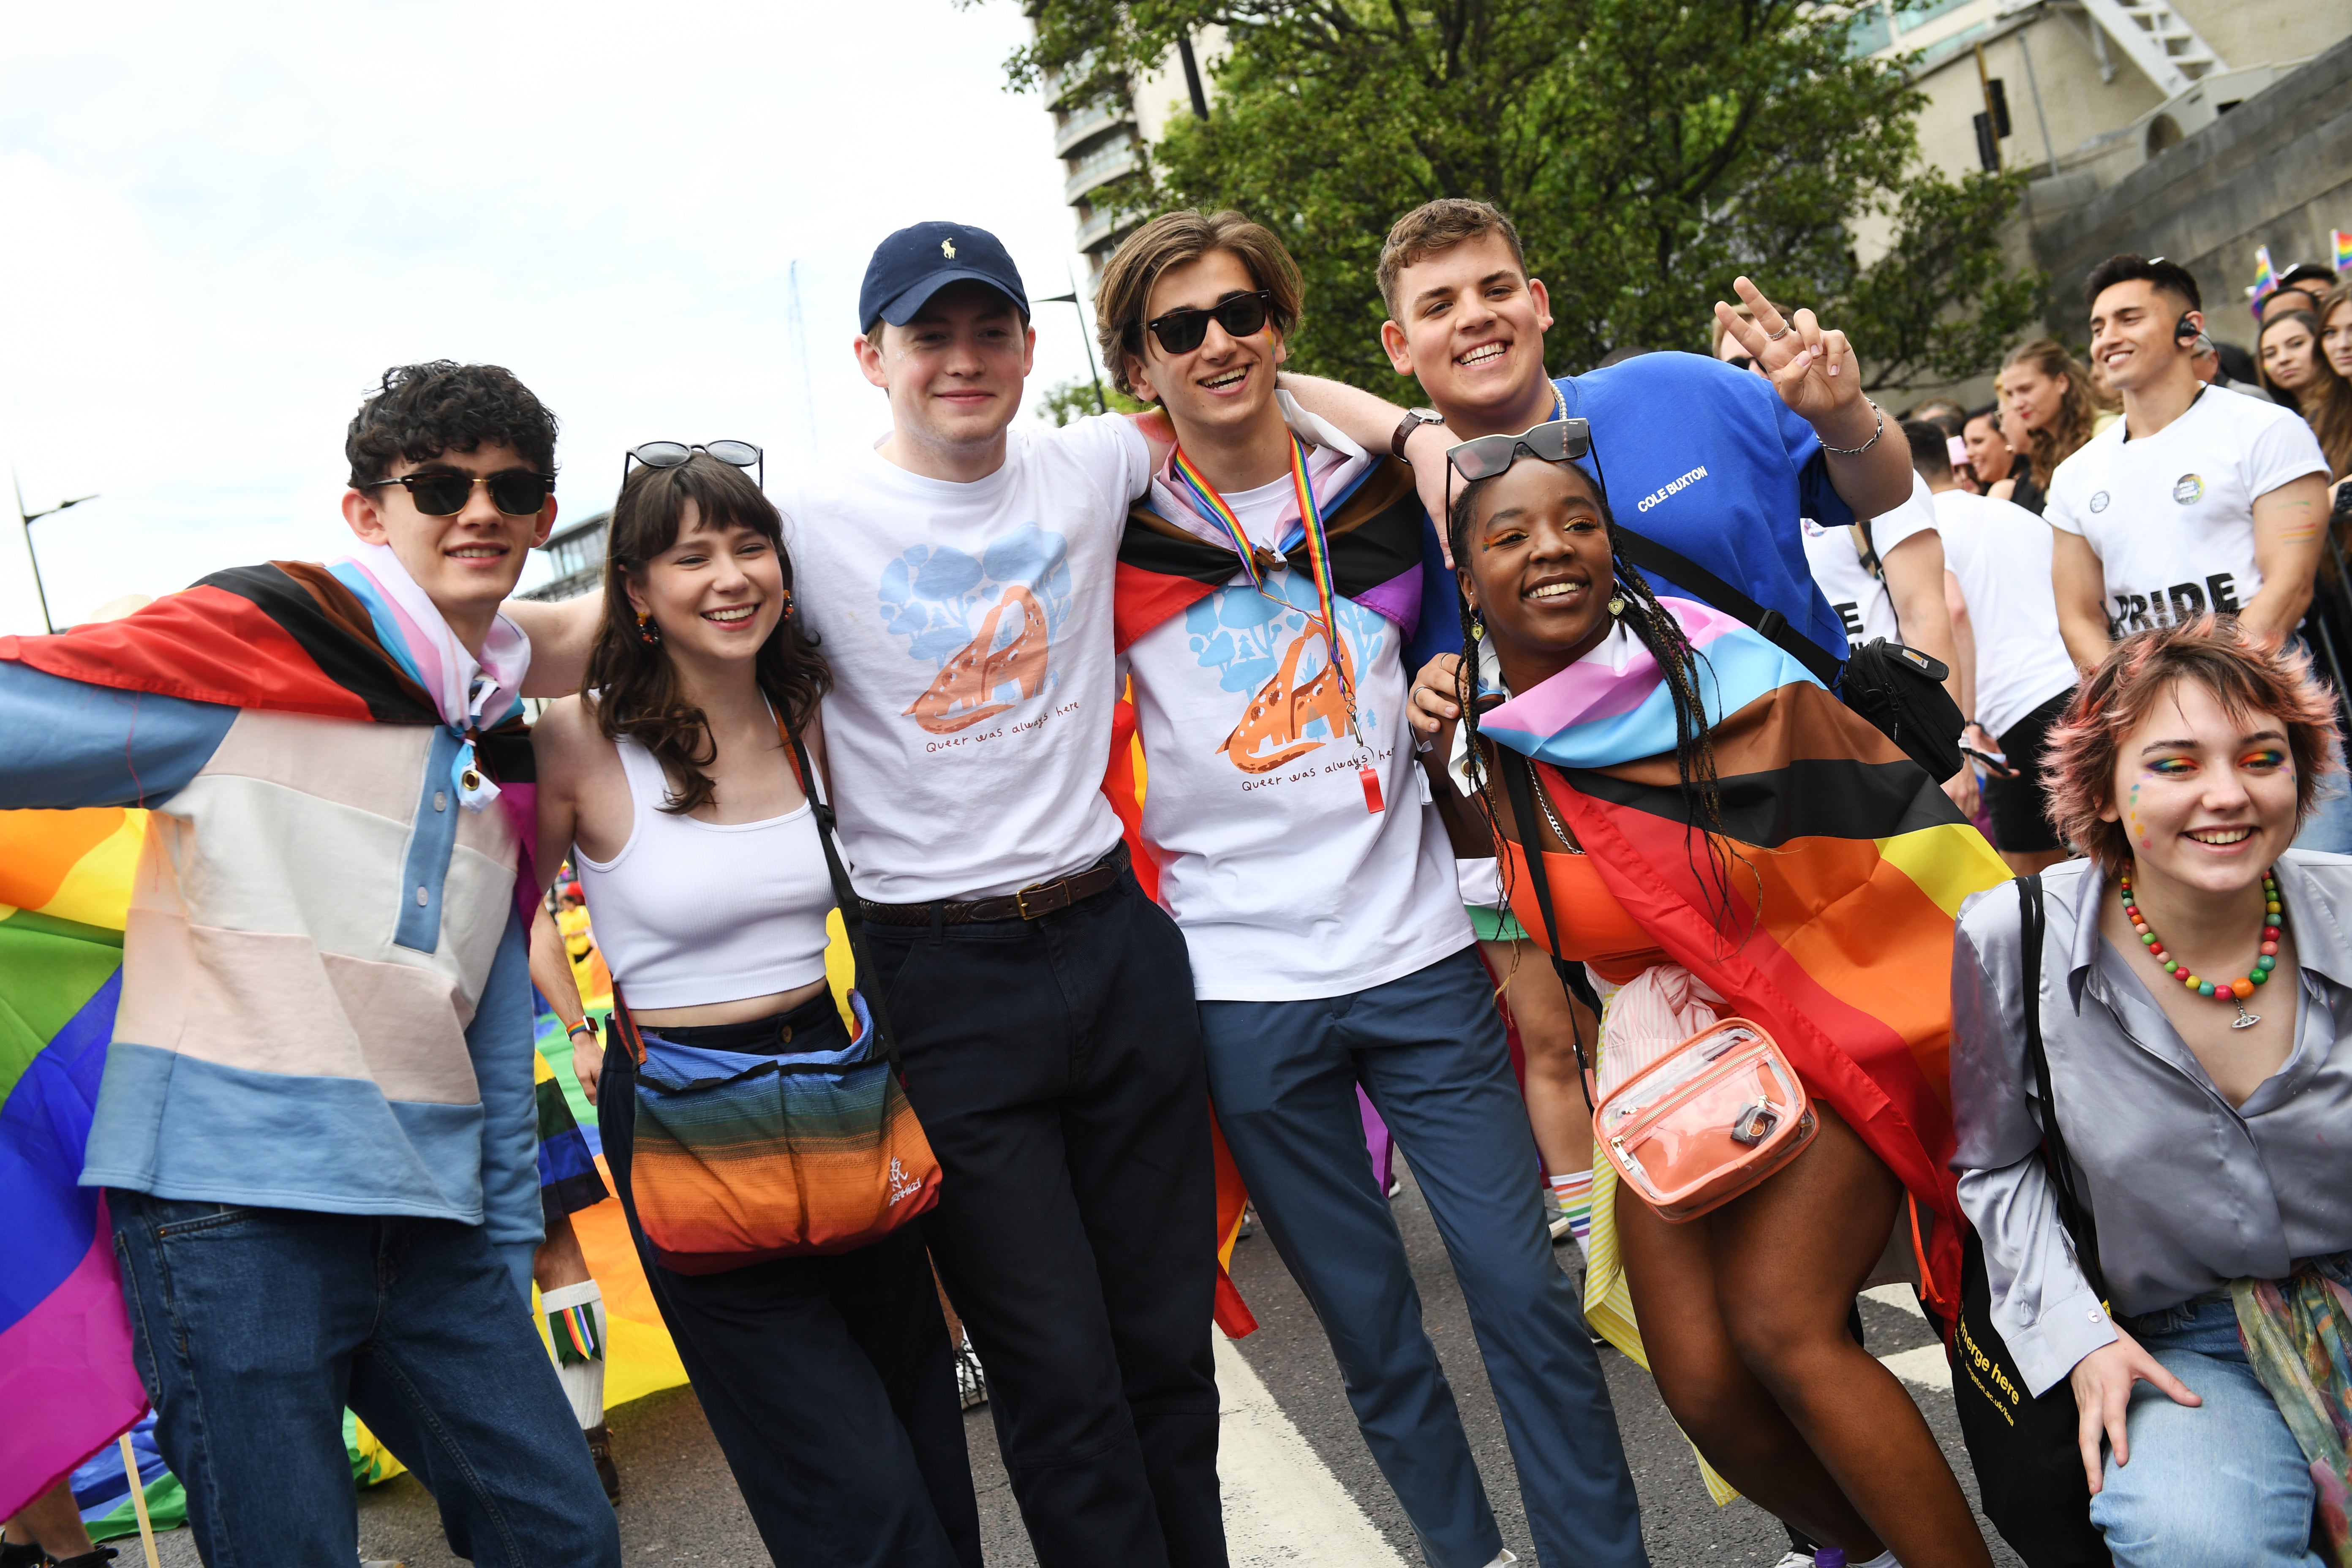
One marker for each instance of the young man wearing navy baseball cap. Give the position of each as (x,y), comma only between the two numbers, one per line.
(959,576)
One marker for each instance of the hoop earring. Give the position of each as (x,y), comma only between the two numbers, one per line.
(648,630)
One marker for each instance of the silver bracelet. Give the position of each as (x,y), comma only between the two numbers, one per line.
(1866,446)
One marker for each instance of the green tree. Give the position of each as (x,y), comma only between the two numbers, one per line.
(1649,153)
(1074,399)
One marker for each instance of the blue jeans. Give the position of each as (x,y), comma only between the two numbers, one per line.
(253,1329)
(2214,1486)
(1430,1051)
(2329,826)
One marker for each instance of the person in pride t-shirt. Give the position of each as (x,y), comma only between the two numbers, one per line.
(1316,893)
(958,576)
(2191,501)
(2196,500)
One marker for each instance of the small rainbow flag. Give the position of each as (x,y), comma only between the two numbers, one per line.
(2266,279)
(2339,249)
(573,1329)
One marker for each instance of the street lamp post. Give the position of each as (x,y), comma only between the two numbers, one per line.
(25,519)
(1085,335)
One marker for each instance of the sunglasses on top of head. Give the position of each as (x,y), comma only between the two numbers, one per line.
(517,492)
(674,454)
(1554,441)
(1182,331)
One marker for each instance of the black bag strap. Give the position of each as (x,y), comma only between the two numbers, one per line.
(846,896)
(2074,1212)
(1519,783)
(1640,550)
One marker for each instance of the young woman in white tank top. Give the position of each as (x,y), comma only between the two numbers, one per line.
(828,1380)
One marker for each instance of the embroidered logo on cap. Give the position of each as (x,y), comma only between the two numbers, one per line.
(2099,501)
(2188,489)
(947,248)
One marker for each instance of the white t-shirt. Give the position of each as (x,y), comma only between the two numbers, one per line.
(969,628)
(2171,516)
(1288,885)
(2000,553)
(1859,597)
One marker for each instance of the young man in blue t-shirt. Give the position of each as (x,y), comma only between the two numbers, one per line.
(1697,455)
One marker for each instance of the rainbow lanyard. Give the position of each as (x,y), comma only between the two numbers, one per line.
(1319,550)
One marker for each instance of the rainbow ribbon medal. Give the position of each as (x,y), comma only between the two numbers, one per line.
(1318,554)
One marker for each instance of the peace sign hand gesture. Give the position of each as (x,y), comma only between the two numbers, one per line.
(1814,371)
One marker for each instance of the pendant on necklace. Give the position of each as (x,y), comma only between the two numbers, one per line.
(2245,1019)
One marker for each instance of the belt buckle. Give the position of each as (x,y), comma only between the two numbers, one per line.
(1021,899)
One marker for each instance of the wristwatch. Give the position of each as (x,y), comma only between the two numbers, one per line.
(588,1023)
(1414,418)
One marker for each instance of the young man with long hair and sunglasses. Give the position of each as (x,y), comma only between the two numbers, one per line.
(317,1128)
(958,576)
(1267,583)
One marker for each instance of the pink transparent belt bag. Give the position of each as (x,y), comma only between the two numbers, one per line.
(1693,1110)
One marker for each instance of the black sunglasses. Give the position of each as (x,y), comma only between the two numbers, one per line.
(1554,441)
(671,454)
(1182,331)
(517,492)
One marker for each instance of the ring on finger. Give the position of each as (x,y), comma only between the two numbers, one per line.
(1775,337)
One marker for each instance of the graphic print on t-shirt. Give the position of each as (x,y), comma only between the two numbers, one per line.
(986,623)
(1277,654)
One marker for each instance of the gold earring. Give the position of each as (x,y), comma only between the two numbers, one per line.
(1477,630)
(1617,604)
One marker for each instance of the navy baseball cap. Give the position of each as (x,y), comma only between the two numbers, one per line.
(915,263)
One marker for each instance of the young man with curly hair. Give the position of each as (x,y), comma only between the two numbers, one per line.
(317,1132)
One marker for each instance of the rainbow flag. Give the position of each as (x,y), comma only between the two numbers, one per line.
(1849,867)
(66,1382)
(2265,280)
(2339,249)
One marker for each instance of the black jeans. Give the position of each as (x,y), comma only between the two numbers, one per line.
(1057,1069)
(828,1380)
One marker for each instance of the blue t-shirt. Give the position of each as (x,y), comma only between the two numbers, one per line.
(1705,459)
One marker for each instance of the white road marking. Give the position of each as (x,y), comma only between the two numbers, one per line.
(1926,1365)
(1901,1297)
(1284,1507)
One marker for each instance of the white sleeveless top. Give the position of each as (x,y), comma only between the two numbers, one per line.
(692,912)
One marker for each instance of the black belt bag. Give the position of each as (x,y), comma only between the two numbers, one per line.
(1899,690)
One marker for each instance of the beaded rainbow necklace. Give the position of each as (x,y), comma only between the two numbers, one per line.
(2233,992)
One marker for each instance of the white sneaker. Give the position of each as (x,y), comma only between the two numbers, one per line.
(1796,1559)
(1505,1558)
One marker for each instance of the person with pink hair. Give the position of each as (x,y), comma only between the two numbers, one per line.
(2158,1174)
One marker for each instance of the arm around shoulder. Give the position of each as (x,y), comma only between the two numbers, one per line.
(561,634)
(559,743)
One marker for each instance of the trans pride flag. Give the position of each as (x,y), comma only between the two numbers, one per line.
(1850,867)
(67,1384)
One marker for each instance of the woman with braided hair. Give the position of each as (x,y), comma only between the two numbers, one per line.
(1720,835)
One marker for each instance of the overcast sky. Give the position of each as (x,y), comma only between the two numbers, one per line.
(222,223)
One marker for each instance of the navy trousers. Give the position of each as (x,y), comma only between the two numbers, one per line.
(1055,1064)
(1430,1051)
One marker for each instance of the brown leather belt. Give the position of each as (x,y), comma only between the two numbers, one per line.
(1037,899)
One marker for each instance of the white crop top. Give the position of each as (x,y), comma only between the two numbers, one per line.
(691,912)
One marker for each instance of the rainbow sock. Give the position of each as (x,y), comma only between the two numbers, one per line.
(1573,1192)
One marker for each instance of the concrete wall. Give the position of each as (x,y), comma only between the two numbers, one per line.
(2277,171)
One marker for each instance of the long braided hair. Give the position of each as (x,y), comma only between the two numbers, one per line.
(1684,667)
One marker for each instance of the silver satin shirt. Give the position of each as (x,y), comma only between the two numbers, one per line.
(2187,1191)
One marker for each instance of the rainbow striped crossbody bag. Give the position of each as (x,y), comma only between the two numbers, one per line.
(738,1159)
